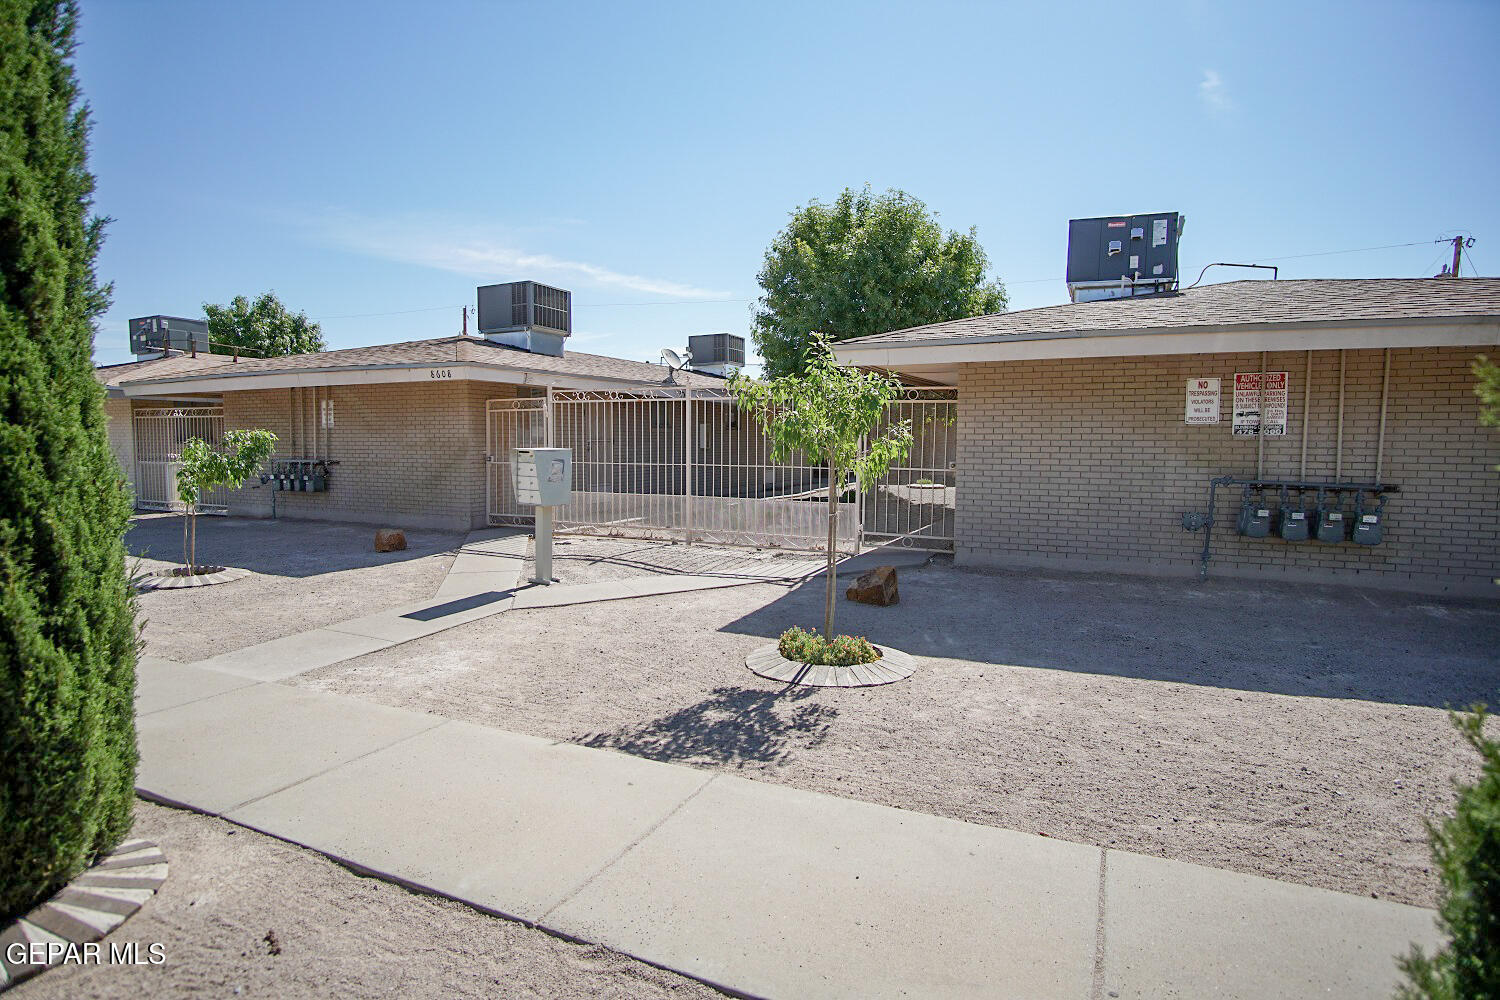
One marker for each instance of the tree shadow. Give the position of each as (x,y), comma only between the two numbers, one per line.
(733,725)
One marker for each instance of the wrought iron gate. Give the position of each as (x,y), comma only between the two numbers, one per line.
(159,435)
(915,502)
(688,464)
(510,423)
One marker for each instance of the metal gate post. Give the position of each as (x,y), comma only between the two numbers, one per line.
(687,459)
(547,422)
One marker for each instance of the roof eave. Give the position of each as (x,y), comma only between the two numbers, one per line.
(533,376)
(871,343)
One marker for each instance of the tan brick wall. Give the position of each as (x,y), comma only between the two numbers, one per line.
(408,454)
(121,436)
(1088,464)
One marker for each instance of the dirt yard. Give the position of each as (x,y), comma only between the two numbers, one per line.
(242,914)
(307,574)
(1275,729)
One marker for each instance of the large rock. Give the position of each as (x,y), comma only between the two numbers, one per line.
(390,540)
(877,587)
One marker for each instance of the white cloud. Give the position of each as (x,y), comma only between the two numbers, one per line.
(449,247)
(1212,91)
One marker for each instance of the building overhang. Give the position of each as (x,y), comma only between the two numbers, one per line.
(941,359)
(434,372)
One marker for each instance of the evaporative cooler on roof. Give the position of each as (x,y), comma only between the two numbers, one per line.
(717,353)
(526,314)
(1121,256)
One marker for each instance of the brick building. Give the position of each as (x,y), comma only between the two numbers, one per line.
(399,433)
(1089,433)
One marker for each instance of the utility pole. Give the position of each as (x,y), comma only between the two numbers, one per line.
(1458,253)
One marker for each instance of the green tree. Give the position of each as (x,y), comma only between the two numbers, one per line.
(829,414)
(1466,848)
(865,264)
(262,329)
(238,457)
(67,618)
(1488,390)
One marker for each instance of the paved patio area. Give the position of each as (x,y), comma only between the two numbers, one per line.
(759,889)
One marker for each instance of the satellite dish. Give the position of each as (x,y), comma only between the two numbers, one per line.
(673,360)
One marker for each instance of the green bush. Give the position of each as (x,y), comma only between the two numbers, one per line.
(1466,848)
(810,647)
(67,623)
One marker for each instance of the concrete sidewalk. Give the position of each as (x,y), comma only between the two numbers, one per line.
(759,889)
(484,580)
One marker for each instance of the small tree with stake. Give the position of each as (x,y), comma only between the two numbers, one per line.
(238,458)
(829,413)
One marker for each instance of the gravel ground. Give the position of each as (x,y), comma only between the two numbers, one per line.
(590,559)
(231,892)
(1279,730)
(306,574)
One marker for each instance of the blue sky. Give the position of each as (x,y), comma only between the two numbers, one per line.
(373,162)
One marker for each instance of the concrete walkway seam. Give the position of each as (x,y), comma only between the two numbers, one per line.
(1098,991)
(620,855)
(334,767)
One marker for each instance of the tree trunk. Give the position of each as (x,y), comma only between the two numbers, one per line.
(186,555)
(833,554)
(193,546)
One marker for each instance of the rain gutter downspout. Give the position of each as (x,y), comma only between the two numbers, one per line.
(1385,392)
(1306,402)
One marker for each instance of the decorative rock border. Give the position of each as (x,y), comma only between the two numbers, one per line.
(83,911)
(165,581)
(893,665)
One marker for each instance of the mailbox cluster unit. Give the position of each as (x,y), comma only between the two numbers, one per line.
(298,475)
(543,477)
(1294,520)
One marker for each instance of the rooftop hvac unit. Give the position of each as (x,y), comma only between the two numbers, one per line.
(1122,256)
(155,334)
(526,314)
(717,353)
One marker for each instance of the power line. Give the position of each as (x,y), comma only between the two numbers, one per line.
(397,312)
(1332,253)
(663,302)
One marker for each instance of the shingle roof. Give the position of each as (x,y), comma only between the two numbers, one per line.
(1319,300)
(445,350)
(184,364)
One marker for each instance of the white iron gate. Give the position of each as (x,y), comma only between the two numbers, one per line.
(688,464)
(915,502)
(159,435)
(510,423)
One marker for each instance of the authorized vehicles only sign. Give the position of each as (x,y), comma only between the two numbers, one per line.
(1247,403)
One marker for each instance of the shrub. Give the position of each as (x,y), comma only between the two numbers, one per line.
(1466,848)
(802,646)
(67,623)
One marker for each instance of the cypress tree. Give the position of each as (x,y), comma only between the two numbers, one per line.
(67,623)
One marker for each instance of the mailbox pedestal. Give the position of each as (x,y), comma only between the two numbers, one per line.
(543,479)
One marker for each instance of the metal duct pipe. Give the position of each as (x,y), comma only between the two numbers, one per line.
(1260,427)
(1306,402)
(1385,393)
(1338,454)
